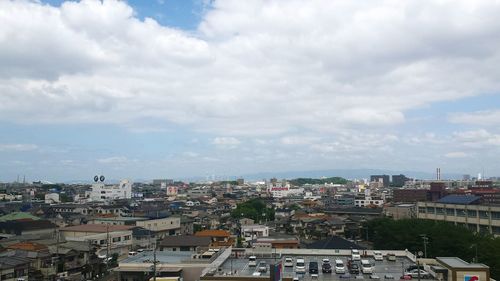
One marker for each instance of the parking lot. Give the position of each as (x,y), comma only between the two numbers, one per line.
(241,267)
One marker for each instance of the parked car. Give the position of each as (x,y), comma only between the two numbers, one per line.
(415,272)
(366,267)
(326,267)
(262,267)
(374,276)
(355,255)
(391,257)
(339,267)
(288,262)
(300,265)
(354,268)
(252,261)
(378,256)
(313,267)
(388,276)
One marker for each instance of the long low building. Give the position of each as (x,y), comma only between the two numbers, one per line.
(479,218)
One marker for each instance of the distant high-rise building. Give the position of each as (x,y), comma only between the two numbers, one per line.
(399,180)
(384,178)
(466,178)
(164,182)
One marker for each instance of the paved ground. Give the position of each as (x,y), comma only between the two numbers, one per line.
(240,267)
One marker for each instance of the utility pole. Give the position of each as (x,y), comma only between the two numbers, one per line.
(154,262)
(426,241)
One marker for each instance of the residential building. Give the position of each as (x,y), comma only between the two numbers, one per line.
(108,238)
(14,268)
(184,243)
(253,231)
(103,192)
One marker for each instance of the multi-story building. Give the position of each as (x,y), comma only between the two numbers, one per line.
(103,192)
(399,180)
(408,195)
(253,231)
(462,210)
(385,179)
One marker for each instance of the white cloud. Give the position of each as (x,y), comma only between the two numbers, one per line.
(226,141)
(17,147)
(456,154)
(478,118)
(114,160)
(252,68)
(478,138)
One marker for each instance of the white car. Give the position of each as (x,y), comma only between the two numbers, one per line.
(414,273)
(300,265)
(288,262)
(252,261)
(339,267)
(355,255)
(378,256)
(366,267)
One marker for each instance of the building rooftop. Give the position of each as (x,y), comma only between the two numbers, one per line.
(18,216)
(212,233)
(185,240)
(458,263)
(97,228)
(459,199)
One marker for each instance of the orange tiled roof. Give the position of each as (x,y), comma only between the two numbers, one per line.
(28,246)
(212,233)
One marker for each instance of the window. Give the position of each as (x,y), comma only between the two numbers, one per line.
(430,210)
(460,213)
(495,215)
(450,212)
(439,211)
(484,215)
(471,213)
(421,210)
(117,239)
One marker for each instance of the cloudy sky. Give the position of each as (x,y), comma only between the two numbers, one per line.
(148,89)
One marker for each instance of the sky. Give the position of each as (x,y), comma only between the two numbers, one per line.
(176,88)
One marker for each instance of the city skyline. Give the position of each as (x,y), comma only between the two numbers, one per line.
(191,88)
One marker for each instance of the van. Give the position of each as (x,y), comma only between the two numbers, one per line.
(300,265)
(132,253)
(366,267)
(339,267)
(377,255)
(355,255)
(252,261)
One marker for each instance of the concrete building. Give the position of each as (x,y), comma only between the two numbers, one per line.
(162,227)
(107,238)
(399,180)
(253,231)
(401,211)
(103,192)
(407,195)
(479,218)
(14,268)
(459,270)
(385,179)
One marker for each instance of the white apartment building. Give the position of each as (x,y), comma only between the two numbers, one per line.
(280,191)
(368,200)
(102,192)
(254,231)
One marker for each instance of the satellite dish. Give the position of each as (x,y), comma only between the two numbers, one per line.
(96,178)
(102,178)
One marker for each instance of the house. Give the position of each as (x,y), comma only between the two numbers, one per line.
(219,238)
(14,268)
(118,237)
(184,243)
(26,227)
